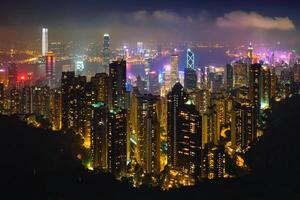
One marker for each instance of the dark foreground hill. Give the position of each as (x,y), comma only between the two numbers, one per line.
(39,164)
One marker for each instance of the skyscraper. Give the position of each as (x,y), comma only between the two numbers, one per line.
(117,142)
(44,41)
(174,69)
(99,135)
(250,53)
(100,80)
(254,85)
(243,126)
(148,140)
(265,87)
(190,76)
(56,109)
(50,69)
(117,75)
(228,77)
(176,98)
(106,52)
(189,142)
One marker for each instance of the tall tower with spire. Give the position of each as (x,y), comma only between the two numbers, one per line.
(250,53)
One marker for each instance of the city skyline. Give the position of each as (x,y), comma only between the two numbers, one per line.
(161,98)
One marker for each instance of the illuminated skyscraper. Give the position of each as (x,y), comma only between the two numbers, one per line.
(265,87)
(174,69)
(254,85)
(117,73)
(183,134)
(50,70)
(100,80)
(99,135)
(228,77)
(117,142)
(243,126)
(90,98)
(56,109)
(44,42)
(190,59)
(190,76)
(67,84)
(106,52)
(148,140)
(189,142)
(250,53)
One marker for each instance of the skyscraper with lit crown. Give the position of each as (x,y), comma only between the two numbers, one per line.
(106,52)
(44,41)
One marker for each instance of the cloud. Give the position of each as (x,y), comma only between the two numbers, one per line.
(242,19)
(161,16)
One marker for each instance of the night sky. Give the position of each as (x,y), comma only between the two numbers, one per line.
(230,21)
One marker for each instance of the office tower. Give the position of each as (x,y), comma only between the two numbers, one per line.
(44,42)
(154,86)
(183,135)
(117,142)
(214,162)
(174,70)
(140,48)
(176,98)
(41,101)
(190,76)
(250,53)
(228,77)
(243,126)
(189,142)
(99,135)
(56,109)
(100,80)
(148,137)
(106,52)
(26,100)
(117,75)
(265,88)
(12,75)
(190,79)
(50,70)
(254,87)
